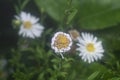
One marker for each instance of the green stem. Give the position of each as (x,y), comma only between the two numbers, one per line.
(21,6)
(66,14)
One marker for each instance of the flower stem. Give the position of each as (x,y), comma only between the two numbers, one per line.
(62,55)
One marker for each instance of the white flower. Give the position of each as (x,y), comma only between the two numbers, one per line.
(29,25)
(90,48)
(61,42)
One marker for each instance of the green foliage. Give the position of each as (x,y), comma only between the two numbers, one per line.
(21,5)
(33,59)
(93,76)
(71,15)
(92,14)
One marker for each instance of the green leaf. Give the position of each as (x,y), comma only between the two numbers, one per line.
(55,67)
(71,15)
(55,60)
(115,78)
(55,8)
(41,76)
(63,74)
(98,14)
(93,76)
(111,38)
(67,65)
(92,14)
(24,4)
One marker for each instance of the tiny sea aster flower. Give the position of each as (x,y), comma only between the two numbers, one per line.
(90,48)
(61,42)
(74,34)
(29,25)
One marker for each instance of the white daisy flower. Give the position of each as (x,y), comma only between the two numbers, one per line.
(29,25)
(61,42)
(90,48)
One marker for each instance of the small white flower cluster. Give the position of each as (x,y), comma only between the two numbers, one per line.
(29,25)
(90,49)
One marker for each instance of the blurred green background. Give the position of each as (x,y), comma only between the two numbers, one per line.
(37,62)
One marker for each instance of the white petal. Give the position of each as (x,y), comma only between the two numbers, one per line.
(86,55)
(36,29)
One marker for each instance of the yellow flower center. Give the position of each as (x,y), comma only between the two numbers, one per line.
(27,24)
(90,47)
(61,41)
